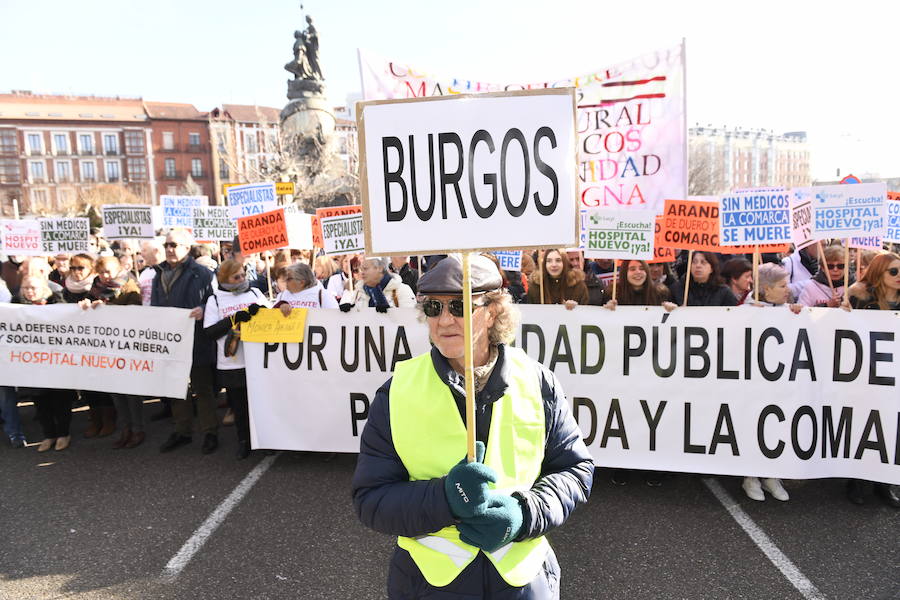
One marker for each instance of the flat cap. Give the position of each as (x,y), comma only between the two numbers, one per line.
(446,276)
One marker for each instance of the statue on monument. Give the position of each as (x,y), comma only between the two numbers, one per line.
(305,65)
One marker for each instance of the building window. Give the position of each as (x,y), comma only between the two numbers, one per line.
(88,171)
(86,143)
(170,168)
(194,141)
(196,167)
(134,142)
(38,199)
(250,140)
(172,190)
(223,169)
(137,169)
(61,143)
(37,171)
(35,145)
(221,142)
(8,142)
(111,143)
(168,140)
(63,171)
(9,170)
(112,170)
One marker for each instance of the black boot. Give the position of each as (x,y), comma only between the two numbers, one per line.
(856,491)
(888,494)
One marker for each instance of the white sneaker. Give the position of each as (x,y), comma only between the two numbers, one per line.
(774,487)
(753,489)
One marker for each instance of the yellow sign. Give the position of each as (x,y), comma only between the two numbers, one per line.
(271,326)
(281,187)
(284,187)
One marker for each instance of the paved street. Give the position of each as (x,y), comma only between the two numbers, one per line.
(93,523)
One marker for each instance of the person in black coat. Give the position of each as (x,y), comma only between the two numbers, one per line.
(183,283)
(706,287)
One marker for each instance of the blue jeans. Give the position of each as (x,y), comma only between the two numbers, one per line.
(9,410)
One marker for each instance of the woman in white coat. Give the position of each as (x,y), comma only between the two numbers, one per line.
(378,288)
(233,303)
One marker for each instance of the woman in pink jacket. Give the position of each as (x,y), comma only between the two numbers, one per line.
(817,291)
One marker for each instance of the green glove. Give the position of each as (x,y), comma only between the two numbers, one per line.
(466,485)
(499,524)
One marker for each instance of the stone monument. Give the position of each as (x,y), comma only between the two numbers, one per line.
(307,119)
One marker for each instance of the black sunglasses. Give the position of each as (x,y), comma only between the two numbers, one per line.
(434,308)
(835,265)
(893,271)
(171,245)
(77,268)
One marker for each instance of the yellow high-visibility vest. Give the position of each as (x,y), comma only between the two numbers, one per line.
(430,438)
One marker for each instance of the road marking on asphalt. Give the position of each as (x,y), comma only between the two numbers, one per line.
(764,543)
(212,522)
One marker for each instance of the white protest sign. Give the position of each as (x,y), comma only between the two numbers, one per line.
(122,221)
(510,260)
(872,242)
(65,235)
(755,217)
(780,380)
(845,211)
(801,218)
(299,228)
(177,211)
(251,199)
(487,171)
(343,234)
(21,237)
(213,224)
(122,349)
(623,234)
(893,218)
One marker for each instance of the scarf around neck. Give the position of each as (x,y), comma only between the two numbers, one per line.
(376,294)
(79,287)
(236,288)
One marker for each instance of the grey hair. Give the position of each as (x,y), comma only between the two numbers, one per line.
(302,272)
(769,274)
(383,262)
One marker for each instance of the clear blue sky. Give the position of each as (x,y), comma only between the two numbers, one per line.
(825,67)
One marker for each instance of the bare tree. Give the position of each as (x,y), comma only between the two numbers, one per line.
(311,163)
(706,169)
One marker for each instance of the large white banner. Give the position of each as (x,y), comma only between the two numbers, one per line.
(126,349)
(631,121)
(482,172)
(747,391)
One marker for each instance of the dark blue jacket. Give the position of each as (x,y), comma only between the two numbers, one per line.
(190,290)
(388,502)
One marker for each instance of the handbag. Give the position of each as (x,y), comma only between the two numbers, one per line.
(232,338)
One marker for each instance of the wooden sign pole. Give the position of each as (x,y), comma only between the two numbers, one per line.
(846,264)
(823,266)
(469,359)
(687,276)
(756,273)
(541,273)
(615,277)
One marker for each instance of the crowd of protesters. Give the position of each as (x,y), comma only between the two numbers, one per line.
(223,288)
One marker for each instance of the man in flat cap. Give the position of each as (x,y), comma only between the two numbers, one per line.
(470,530)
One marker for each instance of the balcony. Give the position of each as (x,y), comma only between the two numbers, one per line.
(9,151)
(85,179)
(170,149)
(62,152)
(35,152)
(36,180)
(112,179)
(112,152)
(171,175)
(87,152)
(199,175)
(197,148)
